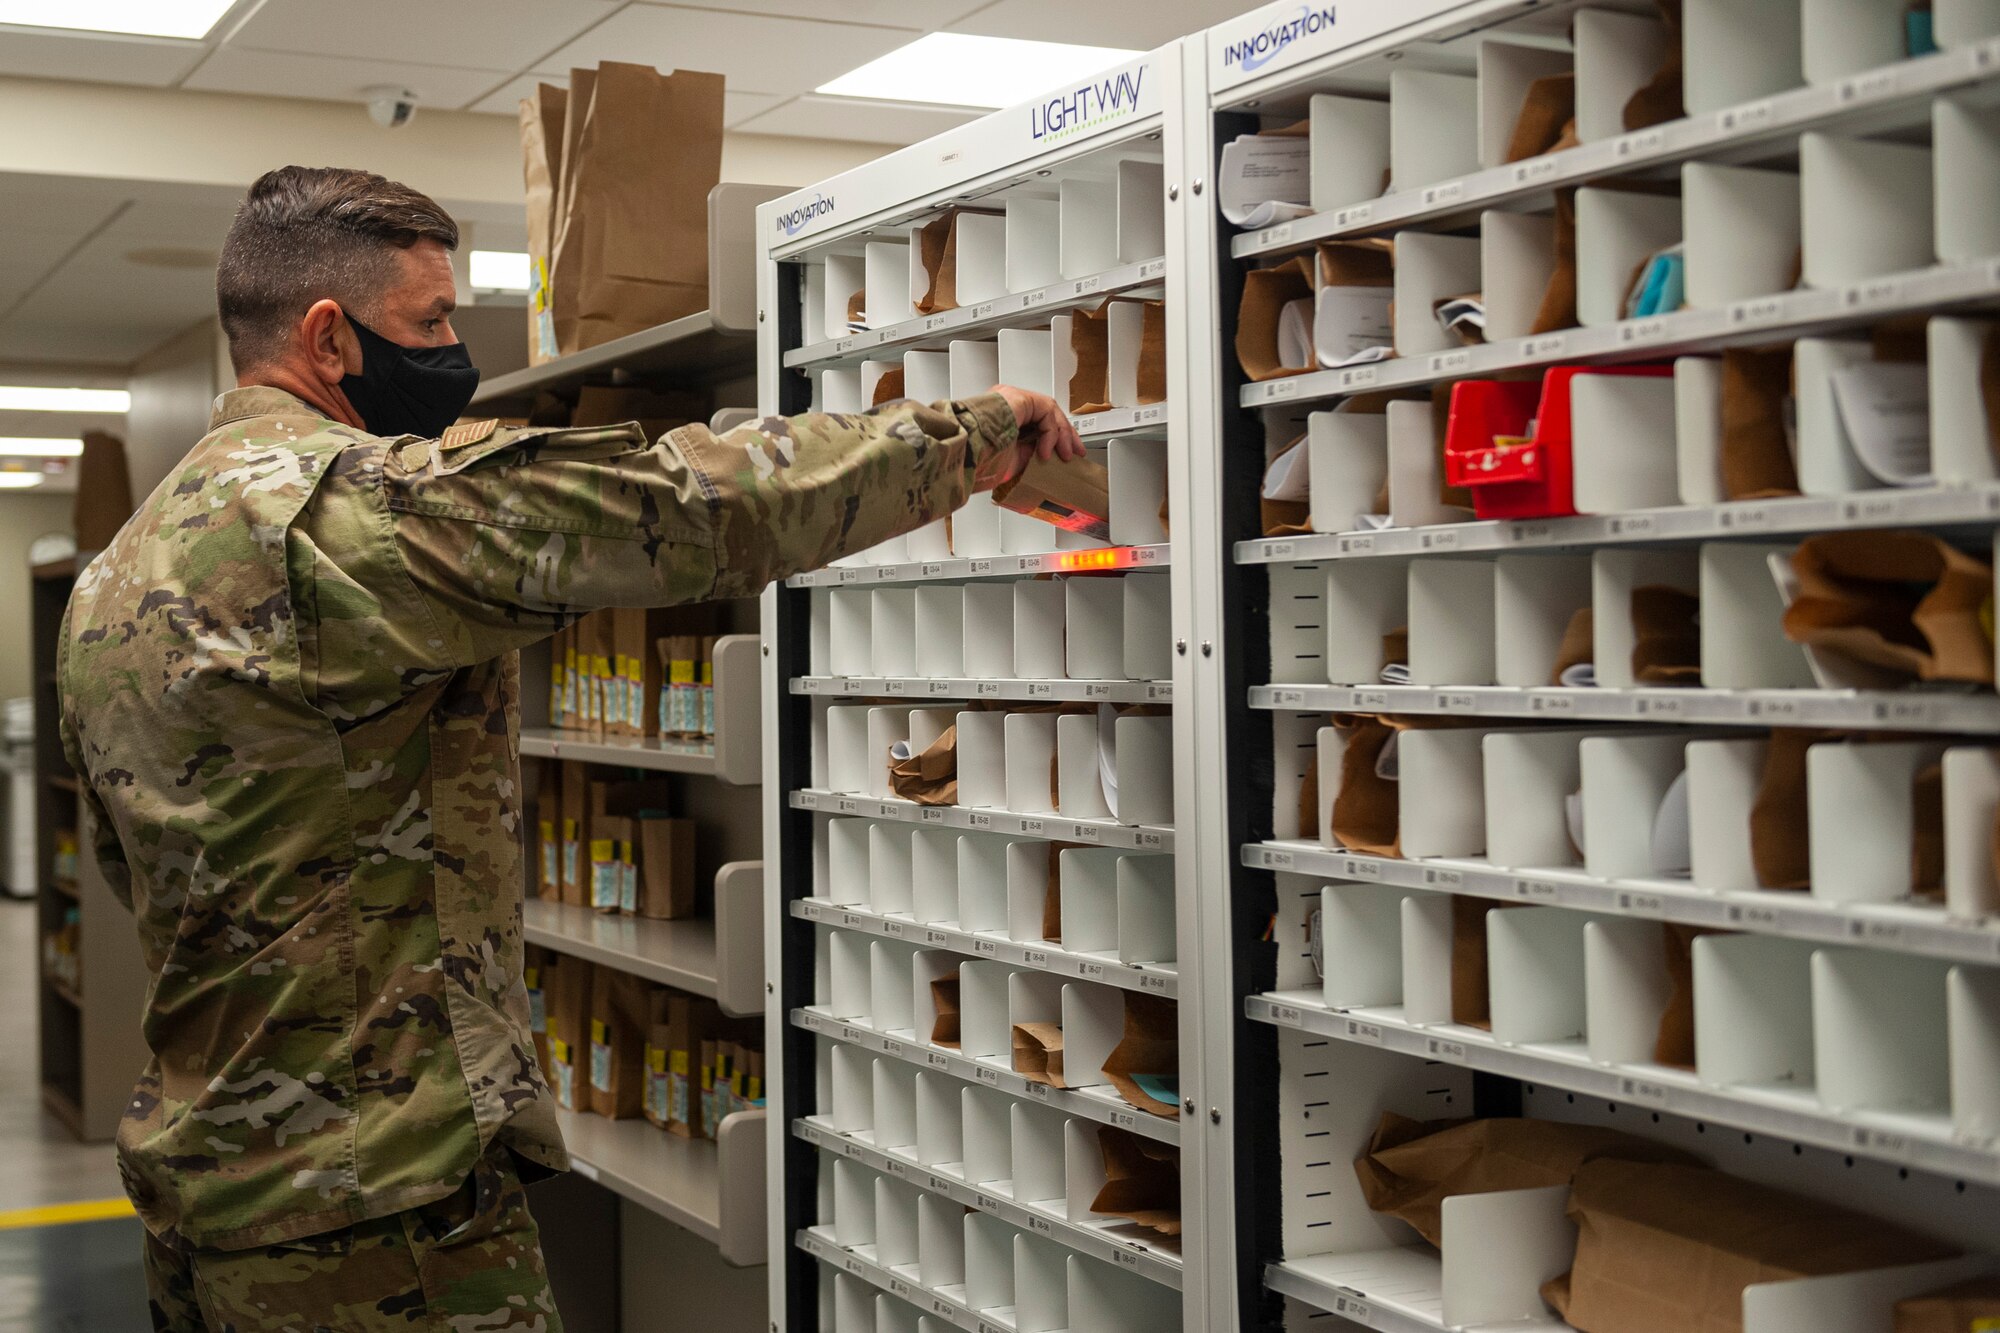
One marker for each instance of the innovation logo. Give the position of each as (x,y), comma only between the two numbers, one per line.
(794,222)
(1256,52)
(1090,105)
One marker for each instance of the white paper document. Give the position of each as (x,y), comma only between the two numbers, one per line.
(1352,325)
(1266,179)
(1885,407)
(1289,476)
(1295,335)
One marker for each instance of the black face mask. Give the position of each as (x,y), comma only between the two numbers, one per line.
(409,390)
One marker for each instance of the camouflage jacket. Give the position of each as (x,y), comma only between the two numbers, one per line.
(289,686)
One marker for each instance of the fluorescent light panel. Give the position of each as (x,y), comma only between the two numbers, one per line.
(956,69)
(499,270)
(35,398)
(139,18)
(19,481)
(28,446)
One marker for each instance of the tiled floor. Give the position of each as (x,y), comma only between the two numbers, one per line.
(79,1278)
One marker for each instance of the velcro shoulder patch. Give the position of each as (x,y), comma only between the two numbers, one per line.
(467,433)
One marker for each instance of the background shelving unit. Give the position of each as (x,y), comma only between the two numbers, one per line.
(914,1177)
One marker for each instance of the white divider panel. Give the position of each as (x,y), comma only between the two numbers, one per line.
(1880,1037)
(1962,22)
(1451,622)
(851,631)
(1148,621)
(845,275)
(1031,754)
(1506,71)
(982,882)
(1500,1247)
(1142,212)
(927,376)
(840,390)
(1631,825)
(888,285)
(1698,429)
(1433,128)
(1866,208)
(1027,889)
(1737,52)
(940,1240)
(940,630)
(853,972)
(1365,599)
(1298,626)
(1080,790)
(896,1114)
(1349,453)
(1517,257)
(1145,769)
(1535,965)
(1616,55)
(1033,236)
(1843,37)
(1966,139)
(1827,463)
(1743,643)
(820,615)
(895,1225)
(1089,899)
(982,760)
(853,1203)
(847,748)
(989,1262)
(1534,599)
(892,631)
(887,728)
(1723,777)
(1973,1001)
(1107,1299)
(1093,1022)
(853,1107)
(1441,792)
(940,1141)
(1430,269)
(1361,942)
(1626,989)
(1614,575)
(985,1021)
(1416,474)
(1971,804)
(934,876)
(1041,1287)
(1138,470)
(1093,628)
(1616,232)
(1861,817)
(1350,150)
(1038,1154)
(1742,232)
(1089,230)
(1427,935)
(891,965)
(987,620)
(1961,451)
(1146,910)
(989,1135)
(1039,610)
(1848,1302)
(1753,1012)
(1531,779)
(1625,454)
(848,857)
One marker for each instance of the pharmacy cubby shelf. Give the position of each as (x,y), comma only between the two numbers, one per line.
(1046,1217)
(1764,319)
(1973,508)
(1924,1143)
(1911,928)
(734,756)
(1893,96)
(971,320)
(1155,978)
(1096,560)
(1861,709)
(720,956)
(712,1188)
(925,687)
(1097,1104)
(1050,827)
(661,756)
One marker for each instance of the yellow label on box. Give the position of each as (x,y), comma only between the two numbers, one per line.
(532,978)
(656,1060)
(598,1032)
(603,849)
(560,1050)
(681,671)
(680,1063)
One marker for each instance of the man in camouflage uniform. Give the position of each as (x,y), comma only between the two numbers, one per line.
(289,686)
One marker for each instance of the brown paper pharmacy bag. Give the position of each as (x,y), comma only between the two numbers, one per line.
(1906,603)
(1968,1306)
(1756,450)
(1266,293)
(1142,1181)
(930,778)
(541,156)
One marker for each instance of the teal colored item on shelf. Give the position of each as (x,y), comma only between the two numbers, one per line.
(1920,33)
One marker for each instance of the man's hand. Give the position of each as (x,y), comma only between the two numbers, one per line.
(1045,433)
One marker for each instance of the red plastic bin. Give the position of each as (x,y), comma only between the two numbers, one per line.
(1488,449)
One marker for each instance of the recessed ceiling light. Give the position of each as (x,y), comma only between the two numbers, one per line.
(140,18)
(19,481)
(26,446)
(957,69)
(35,398)
(499,270)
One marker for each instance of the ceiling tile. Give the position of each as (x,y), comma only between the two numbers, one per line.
(477,34)
(152,62)
(740,107)
(921,15)
(335,79)
(755,52)
(150,222)
(861,121)
(1127,24)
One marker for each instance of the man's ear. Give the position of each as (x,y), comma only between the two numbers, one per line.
(327,344)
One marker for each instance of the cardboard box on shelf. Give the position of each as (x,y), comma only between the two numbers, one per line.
(666,885)
(548,829)
(567,994)
(610,846)
(575,833)
(619,1021)
(690,1020)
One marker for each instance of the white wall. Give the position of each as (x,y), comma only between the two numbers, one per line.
(23,517)
(173,390)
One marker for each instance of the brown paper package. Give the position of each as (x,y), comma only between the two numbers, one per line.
(1779,848)
(1756,457)
(1548,118)
(1266,293)
(1674,1045)
(575,833)
(1666,629)
(944,1000)
(1905,603)
(1471,992)
(1286,518)
(1038,1053)
(937,250)
(1665,1248)
(1074,496)
(1579,644)
(1558,307)
(666,868)
(1659,98)
(1366,816)
(1052,900)
(548,830)
(889,388)
(1396,647)
(1151,1045)
(541,154)
(930,778)
(1411,1167)
(568,1006)
(1955,1309)
(1989,385)
(1309,803)
(1089,387)
(691,1020)
(1927,832)
(631,251)
(1142,1181)
(620,1017)
(1153,356)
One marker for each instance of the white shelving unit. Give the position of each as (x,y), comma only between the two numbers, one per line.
(1846,1028)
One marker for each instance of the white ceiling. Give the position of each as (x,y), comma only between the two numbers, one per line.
(70,290)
